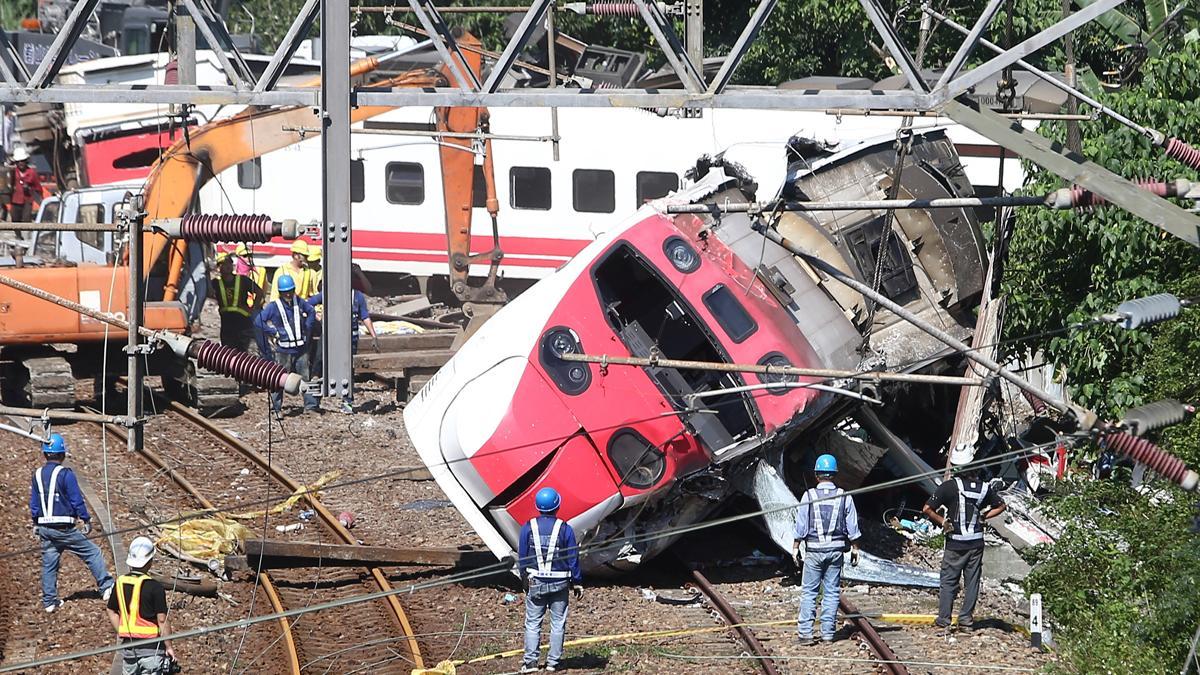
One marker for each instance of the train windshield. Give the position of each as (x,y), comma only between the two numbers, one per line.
(647,313)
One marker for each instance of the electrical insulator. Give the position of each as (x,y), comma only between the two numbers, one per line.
(1038,405)
(228,361)
(1077,197)
(1183,152)
(1145,311)
(1167,465)
(214,228)
(613,9)
(1157,415)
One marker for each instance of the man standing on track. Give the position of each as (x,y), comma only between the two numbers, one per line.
(969,501)
(55,502)
(549,565)
(826,526)
(138,611)
(288,321)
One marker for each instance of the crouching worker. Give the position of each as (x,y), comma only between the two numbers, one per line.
(138,611)
(549,564)
(826,526)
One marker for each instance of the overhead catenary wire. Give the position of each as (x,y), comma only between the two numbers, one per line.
(488,570)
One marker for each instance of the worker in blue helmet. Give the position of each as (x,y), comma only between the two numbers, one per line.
(55,503)
(826,527)
(284,328)
(548,560)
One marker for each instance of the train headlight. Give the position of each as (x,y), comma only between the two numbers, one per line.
(776,360)
(682,256)
(570,378)
(639,463)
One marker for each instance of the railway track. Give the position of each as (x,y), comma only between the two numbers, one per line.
(218,470)
(734,620)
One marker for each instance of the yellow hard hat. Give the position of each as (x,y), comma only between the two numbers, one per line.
(300,246)
(241,250)
(222,256)
(314,254)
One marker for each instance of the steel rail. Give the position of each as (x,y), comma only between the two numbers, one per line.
(322,512)
(732,618)
(160,464)
(871,636)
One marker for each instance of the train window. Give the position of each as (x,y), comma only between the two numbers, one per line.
(529,187)
(358,181)
(593,191)
(405,183)
(91,214)
(655,184)
(734,318)
(250,174)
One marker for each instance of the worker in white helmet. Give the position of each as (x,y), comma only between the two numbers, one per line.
(138,611)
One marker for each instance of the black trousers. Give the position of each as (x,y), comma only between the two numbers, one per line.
(967,565)
(237,331)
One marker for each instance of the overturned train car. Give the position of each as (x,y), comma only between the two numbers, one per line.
(638,452)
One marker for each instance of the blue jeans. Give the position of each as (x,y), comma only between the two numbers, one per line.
(294,363)
(54,542)
(535,610)
(822,570)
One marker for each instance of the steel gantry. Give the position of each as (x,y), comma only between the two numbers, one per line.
(336,96)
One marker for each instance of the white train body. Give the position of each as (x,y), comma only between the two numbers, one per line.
(610,161)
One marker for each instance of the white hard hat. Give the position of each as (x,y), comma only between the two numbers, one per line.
(20,154)
(961,455)
(141,552)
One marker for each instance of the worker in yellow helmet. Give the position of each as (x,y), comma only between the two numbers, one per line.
(314,272)
(297,269)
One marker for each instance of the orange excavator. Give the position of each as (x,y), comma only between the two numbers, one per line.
(45,349)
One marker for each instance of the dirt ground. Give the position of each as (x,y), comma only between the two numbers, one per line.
(484,616)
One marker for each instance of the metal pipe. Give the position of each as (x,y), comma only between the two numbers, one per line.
(443,134)
(72,415)
(941,335)
(63,227)
(21,432)
(1034,117)
(1153,135)
(870,375)
(691,398)
(480,9)
(552,63)
(862,205)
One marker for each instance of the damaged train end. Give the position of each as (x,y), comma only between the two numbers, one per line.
(638,452)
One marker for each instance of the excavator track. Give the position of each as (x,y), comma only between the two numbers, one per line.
(42,382)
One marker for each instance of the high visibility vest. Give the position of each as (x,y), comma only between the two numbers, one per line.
(967,528)
(46,497)
(132,625)
(826,519)
(236,303)
(544,552)
(308,285)
(293,329)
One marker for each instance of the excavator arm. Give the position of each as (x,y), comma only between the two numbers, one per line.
(192,161)
(459,155)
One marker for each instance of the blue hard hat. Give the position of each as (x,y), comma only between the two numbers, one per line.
(547,500)
(55,445)
(286,283)
(826,464)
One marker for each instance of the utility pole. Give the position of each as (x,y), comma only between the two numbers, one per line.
(335,179)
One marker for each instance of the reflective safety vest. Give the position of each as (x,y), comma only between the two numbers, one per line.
(967,528)
(46,497)
(826,520)
(132,625)
(544,552)
(293,329)
(305,286)
(235,303)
